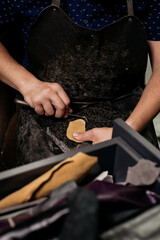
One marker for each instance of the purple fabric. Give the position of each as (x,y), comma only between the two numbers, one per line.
(124,196)
(116,204)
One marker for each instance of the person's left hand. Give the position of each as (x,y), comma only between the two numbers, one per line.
(94,135)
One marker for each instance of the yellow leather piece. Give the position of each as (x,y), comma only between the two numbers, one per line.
(75,126)
(74,168)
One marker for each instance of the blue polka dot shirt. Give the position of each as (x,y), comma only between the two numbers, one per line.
(93,14)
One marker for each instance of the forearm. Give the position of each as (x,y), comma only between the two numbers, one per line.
(38,94)
(149,104)
(12,73)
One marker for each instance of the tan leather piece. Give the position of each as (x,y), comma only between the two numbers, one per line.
(75,126)
(74,168)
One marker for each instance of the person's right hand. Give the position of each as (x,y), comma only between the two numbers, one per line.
(47,98)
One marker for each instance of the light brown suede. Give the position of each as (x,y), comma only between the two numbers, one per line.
(74,168)
(75,126)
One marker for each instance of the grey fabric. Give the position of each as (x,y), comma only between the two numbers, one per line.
(143,227)
(143,173)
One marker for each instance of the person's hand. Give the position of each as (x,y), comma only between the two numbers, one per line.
(94,135)
(47,98)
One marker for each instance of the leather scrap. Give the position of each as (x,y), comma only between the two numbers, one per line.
(74,168)
(75,126)
(143,173)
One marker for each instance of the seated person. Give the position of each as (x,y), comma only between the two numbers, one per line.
(90,53)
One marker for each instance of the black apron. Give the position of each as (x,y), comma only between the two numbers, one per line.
(105,66)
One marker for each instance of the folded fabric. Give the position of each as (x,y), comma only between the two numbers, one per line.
(123,196)
(74,168)
(82,207)
(82,220)
(118,203)
(14,219)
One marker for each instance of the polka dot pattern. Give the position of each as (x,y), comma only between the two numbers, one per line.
(86,13)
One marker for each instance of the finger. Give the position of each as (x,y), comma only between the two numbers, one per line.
(85,136)
(39,109)
(59,106)
(68,110)
(48,108)
(63,95)
(66,114)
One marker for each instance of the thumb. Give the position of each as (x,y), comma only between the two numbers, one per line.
(82,136)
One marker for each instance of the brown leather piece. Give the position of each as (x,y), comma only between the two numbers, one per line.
(73,168)
(75,126)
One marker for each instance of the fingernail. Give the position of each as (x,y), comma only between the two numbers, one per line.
(75,134)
